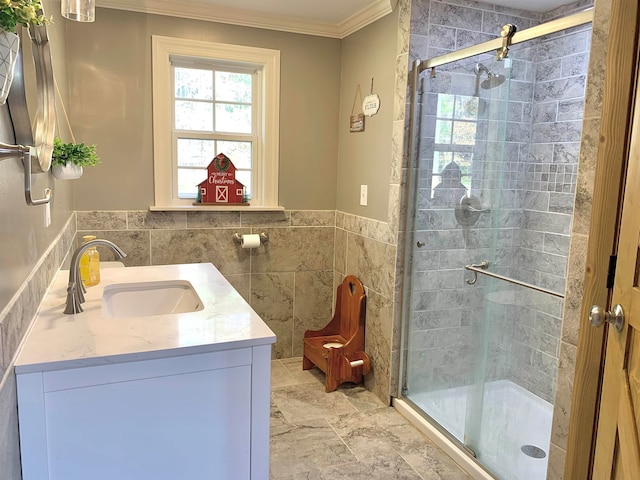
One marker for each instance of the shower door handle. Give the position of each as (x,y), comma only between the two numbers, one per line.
(598,316)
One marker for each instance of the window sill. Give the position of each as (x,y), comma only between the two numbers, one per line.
(214,208)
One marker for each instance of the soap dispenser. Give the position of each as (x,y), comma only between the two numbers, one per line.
(90,264)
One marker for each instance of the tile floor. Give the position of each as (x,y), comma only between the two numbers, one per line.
(347,434)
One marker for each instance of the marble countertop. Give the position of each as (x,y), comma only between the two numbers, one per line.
(57,341)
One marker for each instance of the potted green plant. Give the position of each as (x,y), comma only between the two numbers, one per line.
(68,159)
(12,14)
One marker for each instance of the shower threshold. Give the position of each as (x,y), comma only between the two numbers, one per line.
(512,418)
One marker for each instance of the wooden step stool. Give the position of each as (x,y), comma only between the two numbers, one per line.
(346,360)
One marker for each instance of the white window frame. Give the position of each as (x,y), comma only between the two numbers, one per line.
(267,158)
(254,137)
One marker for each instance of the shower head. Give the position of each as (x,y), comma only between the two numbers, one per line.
(491,81)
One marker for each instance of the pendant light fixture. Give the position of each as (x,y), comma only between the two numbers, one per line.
(78,10)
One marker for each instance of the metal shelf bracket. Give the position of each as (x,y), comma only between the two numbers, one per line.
(12,151)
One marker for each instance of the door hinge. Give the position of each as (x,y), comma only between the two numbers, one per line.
(611,274)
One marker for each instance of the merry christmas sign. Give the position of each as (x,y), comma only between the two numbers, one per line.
(221,186)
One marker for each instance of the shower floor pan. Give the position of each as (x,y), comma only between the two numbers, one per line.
(515,426)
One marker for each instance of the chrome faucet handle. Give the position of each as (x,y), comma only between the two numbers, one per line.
(75,288)
(468,210)
(73,304)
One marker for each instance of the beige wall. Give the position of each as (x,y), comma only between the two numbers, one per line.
(23,237)
(110,74)
(111,106)
(365,238)
(364,157)
(25,265)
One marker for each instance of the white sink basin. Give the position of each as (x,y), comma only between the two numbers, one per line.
(144,299)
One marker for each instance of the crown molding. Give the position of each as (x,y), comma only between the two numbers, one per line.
(366,16)
(211,13)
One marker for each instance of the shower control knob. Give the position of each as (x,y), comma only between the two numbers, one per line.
(598,316)
(419,244)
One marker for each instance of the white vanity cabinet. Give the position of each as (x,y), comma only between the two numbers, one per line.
(180,396)
(201,416)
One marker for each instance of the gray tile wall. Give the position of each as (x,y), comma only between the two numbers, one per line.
(448,319)
(365,248)
(549,185)
(551,170)
(288,280)
(579,238)
(582,208)
(529,181)
(15,319)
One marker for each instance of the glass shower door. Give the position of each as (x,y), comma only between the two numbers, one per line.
(493,183)
(459,170)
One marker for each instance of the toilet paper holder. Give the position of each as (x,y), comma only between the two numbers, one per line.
(264,238)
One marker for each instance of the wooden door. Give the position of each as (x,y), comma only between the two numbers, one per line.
(617,454)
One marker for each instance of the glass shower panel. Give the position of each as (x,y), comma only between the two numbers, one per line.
(515,431)
(489,239)
(495,155)
(460,147)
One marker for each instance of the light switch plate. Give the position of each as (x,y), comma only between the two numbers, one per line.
(47,214)
(363,195)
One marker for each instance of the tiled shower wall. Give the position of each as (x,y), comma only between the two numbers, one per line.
(559,75)
(448,314)
(537,177)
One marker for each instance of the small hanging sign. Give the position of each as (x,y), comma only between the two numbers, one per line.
(356,122)
(371,103)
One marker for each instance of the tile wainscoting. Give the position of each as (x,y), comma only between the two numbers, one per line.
(290,281)
(367,248)
(15,319)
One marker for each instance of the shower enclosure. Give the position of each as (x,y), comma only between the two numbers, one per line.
(494,142)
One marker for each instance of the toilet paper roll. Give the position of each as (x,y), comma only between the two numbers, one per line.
(250,241)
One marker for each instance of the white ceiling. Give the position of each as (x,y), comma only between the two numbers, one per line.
(327,18)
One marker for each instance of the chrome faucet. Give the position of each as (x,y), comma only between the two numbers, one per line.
(75,289)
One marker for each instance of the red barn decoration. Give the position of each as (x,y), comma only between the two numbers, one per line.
(221,186)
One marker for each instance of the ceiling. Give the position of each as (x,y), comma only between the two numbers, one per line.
(327,18)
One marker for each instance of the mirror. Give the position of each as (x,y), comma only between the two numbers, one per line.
(32,96)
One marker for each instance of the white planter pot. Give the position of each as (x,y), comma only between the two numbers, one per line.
(71,171)
(9,45)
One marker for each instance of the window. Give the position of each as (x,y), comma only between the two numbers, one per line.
(455,138)
(216,109)
(211,98)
